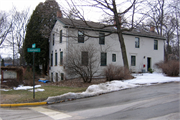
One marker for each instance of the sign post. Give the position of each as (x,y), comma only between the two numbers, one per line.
(33,49)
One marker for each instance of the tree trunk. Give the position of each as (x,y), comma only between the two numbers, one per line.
(123,50)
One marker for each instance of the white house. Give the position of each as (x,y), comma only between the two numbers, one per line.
(144,47)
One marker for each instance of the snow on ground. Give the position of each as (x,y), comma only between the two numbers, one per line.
(116,85)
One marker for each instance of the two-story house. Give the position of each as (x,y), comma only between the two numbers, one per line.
(144,48)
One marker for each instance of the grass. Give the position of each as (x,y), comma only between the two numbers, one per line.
(23,96)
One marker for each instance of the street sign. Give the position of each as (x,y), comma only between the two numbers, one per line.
(33,50)
(34,45)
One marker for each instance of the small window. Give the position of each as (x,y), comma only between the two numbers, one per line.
(101,38)
(137,45)
(56,77)
(155,44)
(53,39)
(80,37)
(84,60)
(61,58)
(133,60)
(114,57)
(56,59)
(103,59)
(52,77)
(51,59)
(60,37)
(62,76)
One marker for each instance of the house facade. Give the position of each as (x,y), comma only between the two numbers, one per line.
(144,47)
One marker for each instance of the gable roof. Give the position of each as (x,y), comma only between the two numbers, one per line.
(88,25)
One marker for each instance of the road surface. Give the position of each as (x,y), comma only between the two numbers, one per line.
(155,102)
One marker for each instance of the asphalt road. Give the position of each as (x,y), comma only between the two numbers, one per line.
(155,102)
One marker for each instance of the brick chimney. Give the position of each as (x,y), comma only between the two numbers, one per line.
(59,14)
(152,28)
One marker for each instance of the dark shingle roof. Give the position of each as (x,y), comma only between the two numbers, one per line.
(79,24)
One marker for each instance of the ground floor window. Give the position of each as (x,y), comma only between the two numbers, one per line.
(52,76)
(62,76)
(133,60)
(114,57)
(56,77)
(103,59)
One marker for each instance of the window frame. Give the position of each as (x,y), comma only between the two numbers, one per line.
(51,59)
(60,36)
(53,39)
(133,60)
(103,60)
(80,37)
(155,44)
(56,59)
(102,38)
(61,58)
(84,58)
(113,57)
(137,40)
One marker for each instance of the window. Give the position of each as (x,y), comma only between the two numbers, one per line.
(103,59)
(101,38)
(137,42)
(61,58)
(155,44)
(84,58)
(53,39)
(51,59)
(60,37)
(133,60)
(62,76)
(56,59)
(52,76)
(114,57)
(80,37)
(56,77)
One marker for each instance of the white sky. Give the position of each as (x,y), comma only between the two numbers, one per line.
(7,5)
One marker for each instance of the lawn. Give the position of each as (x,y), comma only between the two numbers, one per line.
(23,96)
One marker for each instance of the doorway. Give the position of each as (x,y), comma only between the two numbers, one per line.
(148,63)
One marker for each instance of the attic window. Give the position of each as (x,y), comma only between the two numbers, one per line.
(101,38)
(80,37)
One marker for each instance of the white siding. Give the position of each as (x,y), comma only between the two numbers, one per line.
(111,46)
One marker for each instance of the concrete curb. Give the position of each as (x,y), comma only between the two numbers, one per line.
(23,104)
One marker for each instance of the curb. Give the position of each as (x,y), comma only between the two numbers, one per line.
(23,104)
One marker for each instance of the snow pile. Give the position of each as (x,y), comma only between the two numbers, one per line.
(93,90)
(37,90)
(21,87)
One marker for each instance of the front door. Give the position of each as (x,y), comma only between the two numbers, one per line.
(148,63)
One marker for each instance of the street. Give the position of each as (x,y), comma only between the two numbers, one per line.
(155,102)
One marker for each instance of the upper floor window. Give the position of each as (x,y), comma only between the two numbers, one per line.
(80,37)
(103,59)
(53,38)
(84,58)
(60,36)
(101,38)
(137,41)
(155,44)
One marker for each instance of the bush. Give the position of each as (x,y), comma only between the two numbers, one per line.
(170,68)
(28,78)
(150,70)
(113,72)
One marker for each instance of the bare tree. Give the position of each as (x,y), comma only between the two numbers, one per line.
(110,8)
(5,26)
(82,62)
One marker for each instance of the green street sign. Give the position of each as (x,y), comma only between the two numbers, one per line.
(34,45)
(33,50)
